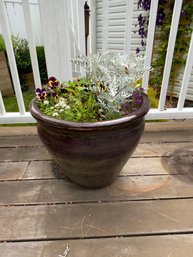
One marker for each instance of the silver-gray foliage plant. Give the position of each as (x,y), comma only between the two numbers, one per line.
(116,71)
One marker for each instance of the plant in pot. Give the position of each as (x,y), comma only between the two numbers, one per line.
(92,126)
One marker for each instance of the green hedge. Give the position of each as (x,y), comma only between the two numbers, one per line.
(23,60)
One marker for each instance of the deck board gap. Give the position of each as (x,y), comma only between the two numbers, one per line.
(97,202)
(136,235)
(69,181)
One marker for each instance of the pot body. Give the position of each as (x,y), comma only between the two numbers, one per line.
(91,154)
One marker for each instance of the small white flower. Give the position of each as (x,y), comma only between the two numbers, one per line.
(46,102)
(61,110)
(55,114)
(62,103)
(52,108)
(67,107)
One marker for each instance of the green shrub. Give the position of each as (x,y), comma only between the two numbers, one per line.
(22,55)
(42,64)
(152,94)
(23,60)
(2,43)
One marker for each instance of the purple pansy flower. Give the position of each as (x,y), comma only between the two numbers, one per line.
(54,95)
(138,98)
(41,94)
(53,82)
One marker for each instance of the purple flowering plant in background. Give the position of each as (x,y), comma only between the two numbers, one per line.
(163,7)
(110,90)
(143,20)
(162,31)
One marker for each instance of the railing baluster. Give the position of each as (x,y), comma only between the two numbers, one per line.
(170,52)
(150,39)
(31,41)
(128,24)
(186,76)
(81,29)
(55,29)
(93,26)
(13,67)
(105,25)
(2,107)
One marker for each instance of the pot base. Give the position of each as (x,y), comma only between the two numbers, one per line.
(93,174)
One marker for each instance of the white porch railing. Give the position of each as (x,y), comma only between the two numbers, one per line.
(62,25)
(63,35)
(171,113)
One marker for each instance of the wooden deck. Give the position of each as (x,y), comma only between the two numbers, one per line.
(147,212)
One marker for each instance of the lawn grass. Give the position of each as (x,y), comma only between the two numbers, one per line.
(10,102)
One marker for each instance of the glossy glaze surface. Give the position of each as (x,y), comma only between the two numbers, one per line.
(91,154)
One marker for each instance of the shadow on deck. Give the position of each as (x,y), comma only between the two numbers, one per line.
(146,212)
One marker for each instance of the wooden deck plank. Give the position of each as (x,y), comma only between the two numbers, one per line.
(148,137)
(43,170)
(40,153)
(171,125)
(123,189)
(141,166)
(186,125)
(135,166)
(151,246)
(96,220)
(167,136)
(150,205)
(49,169)
(16,141)
(24,154)
(151,150)
(18,131)
(12,170)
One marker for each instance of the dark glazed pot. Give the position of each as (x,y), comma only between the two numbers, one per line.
(91,154)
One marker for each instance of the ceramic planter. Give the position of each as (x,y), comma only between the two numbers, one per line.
(91,154)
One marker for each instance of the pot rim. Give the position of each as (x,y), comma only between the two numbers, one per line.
(40,116)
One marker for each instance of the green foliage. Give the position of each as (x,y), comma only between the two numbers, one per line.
(11,105)
(152,94)
(117,75)
(181,46)
(22,55)
(74,102)
(2,43)
(110,90)
(23,60)
(42,64)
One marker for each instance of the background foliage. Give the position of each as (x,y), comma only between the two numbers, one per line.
(163,25)
(23,60)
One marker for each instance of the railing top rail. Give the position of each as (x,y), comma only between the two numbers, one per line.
(64,37)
